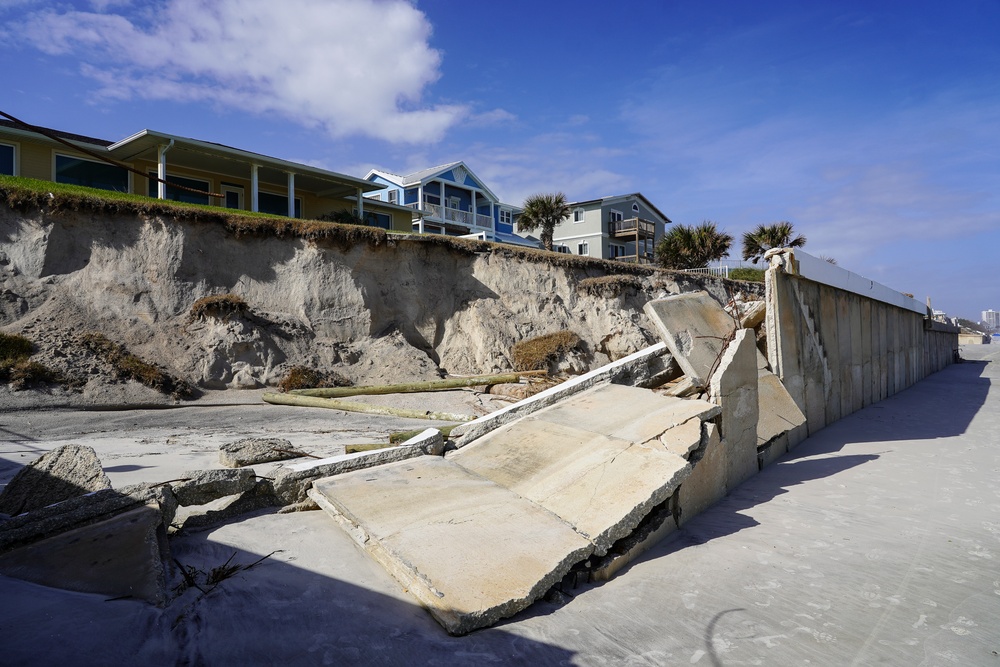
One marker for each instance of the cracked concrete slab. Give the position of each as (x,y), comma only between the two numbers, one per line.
(777,410)
(695,328)
(600,485)
(469,549)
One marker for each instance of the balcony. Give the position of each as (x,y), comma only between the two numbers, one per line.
(467,218)
(634,227)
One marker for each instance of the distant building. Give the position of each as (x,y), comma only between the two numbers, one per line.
(449,199)
(991,318)
(624,227)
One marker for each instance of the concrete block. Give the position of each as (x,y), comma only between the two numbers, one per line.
(734,387)
(468,549)
(634,369)
(251,451)
(63,473)
(292,483)
(259,496)
(694,326)
(777,412)
(602,486)
(706,485)
(81,511)
(204,486)
(116,557)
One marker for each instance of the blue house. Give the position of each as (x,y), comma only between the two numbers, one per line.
(449,199)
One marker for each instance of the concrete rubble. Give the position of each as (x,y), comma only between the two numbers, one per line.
(575,481)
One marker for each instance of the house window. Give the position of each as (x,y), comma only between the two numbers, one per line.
(277,204)
(393,196)
(7,159)
(578,215)
(583,249)
(635,208)
(232,196)
(373,219)
(454,202)
(377,196)
(91,174)
(505,217)
(176,194)
(615,216)
(617,251)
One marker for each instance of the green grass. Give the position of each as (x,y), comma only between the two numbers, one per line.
(16,367)
(747,274)
(303,377)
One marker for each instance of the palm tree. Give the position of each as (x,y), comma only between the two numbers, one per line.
(545,212)
(690,247)
(765,237)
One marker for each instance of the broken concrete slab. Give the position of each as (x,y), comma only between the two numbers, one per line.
(63,473)
(695,328)
(292,483)
(777,411)
(252,451)
(630,413)
(602,486)
(259,496)
(635,369)
(684,438)
(204,486)
(734,387)
(85,510)
(118,557)
(470,550)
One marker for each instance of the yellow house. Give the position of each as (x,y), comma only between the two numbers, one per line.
(208,173)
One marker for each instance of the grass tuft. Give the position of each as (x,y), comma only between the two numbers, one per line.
(539,353)
(219,306)
(609,286)
(303,377)
(127,366)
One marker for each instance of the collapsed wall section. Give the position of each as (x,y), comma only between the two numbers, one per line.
(840,342)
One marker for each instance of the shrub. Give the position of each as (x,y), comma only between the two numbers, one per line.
(538,353)
(219,306)
(303,377)
(747,274)
(14,348)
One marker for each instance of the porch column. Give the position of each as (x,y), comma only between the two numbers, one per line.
(291,194)
(472,214)
(361,205)
(254,206)
(161,169)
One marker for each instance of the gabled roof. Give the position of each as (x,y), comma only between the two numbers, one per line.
(424,175)
(612,199)
(14,128)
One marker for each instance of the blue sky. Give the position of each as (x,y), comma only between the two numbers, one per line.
(873,126)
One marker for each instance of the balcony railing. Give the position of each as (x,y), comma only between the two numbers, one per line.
(630,226)
(467,218)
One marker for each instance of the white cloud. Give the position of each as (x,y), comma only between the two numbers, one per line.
(352,67)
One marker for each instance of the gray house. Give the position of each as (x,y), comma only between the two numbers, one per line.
(623,227)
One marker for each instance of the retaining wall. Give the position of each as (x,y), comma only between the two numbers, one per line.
(840,342)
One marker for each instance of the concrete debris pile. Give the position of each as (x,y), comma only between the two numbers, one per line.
(578,479)
(64,526)
(572,482)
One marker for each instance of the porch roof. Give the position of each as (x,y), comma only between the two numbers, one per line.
(218,158)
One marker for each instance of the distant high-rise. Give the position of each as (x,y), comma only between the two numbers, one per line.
(991,318)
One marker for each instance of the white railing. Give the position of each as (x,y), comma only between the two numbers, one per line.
(711,270)
(455,215)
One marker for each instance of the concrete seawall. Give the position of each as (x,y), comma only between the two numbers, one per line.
(840,342)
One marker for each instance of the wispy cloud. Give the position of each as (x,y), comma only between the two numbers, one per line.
(321,63)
